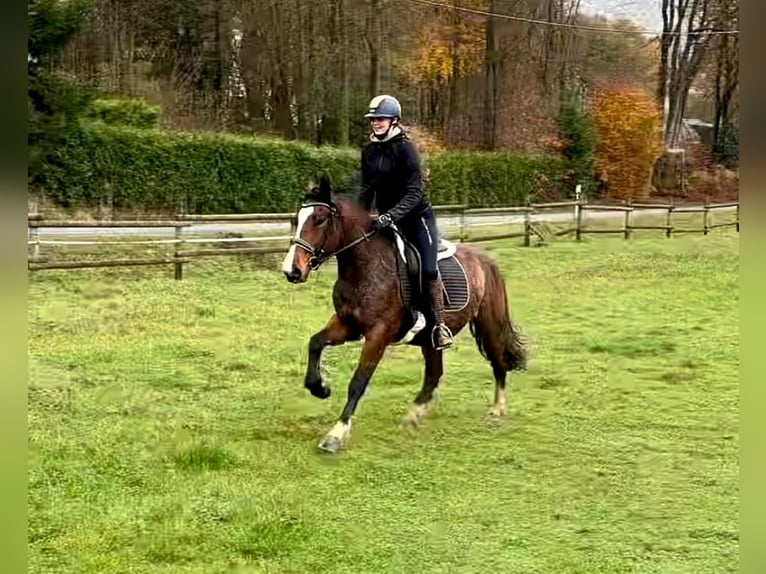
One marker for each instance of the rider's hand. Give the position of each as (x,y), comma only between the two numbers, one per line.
(385,220)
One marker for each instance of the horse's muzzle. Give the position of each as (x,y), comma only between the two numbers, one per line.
(295,276)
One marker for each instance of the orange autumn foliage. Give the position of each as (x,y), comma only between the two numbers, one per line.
(628,126)
(445,45)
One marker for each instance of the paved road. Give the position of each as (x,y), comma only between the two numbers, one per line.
(444,221)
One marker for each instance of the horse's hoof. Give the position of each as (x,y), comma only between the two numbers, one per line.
(497,412)
(414,417)
(410,421)
(319,390)
(330,444)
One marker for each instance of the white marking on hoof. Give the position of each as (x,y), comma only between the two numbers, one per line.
(415,415)
(498,409)
(341,432)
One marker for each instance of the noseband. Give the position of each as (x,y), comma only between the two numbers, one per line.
(319,255)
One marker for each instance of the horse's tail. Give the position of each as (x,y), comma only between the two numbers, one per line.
(497,337)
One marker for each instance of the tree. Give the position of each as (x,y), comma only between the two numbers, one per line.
(577,132)
(54,103)
(628,126)
(726,88)
(492,60)
(686,35)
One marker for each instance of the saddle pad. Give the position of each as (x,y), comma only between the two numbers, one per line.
(404,283)
(455,284)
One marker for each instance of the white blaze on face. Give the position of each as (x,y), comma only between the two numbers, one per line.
(303,215)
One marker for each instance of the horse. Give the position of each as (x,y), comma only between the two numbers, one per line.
(376,296)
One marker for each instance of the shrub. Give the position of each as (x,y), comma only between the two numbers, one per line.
(130,168)
(716,184)
(127,169)
(127,112)
(489,179)
(628,126)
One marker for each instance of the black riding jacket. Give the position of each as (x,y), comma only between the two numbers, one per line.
(392,179)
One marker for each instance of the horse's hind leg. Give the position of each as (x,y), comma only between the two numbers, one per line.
(433,373)
(498,408)
(493,341)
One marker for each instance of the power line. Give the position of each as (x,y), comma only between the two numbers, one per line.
(565,25)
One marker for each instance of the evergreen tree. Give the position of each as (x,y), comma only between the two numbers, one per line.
(576,130)
(54,103)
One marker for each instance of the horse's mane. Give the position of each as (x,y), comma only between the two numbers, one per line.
(354,207)
(349,189)
(347,197)
(351,199)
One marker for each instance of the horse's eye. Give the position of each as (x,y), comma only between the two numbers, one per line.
(320,220)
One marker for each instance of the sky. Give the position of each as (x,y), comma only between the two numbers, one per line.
(646,13)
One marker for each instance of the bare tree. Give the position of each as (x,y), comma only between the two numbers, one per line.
(558,41)
(372,37)
(305,69)
(726,78)
(686,35)
(491,65)
(343,64)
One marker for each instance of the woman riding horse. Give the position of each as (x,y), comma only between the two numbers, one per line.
(392,179)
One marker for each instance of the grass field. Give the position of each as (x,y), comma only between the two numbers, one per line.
(169,430)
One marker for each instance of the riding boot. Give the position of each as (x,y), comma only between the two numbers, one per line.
(441,336)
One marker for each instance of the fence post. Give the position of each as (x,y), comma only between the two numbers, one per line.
(527,225)
(461,230)
(627,218)
(34,235)
(737,222)
(578,229)
(178,265)
(578,194)
(669,220)
(705,214)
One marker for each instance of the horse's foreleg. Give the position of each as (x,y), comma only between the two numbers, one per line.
(335,333)
(374,346)
(433,373)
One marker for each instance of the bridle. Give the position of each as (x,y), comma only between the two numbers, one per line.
(319,255)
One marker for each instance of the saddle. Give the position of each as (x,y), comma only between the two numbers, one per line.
(409,259)
(454,280)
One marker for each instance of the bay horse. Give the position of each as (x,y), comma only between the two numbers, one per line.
(371,296)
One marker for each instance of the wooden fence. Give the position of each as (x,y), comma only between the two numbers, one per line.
(182,254)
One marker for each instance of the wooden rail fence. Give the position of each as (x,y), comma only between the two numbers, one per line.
(183,255)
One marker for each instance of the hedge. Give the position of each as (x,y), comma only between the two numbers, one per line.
(482,179)
(127,112)
(128,168)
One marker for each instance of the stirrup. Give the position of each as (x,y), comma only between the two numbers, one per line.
(443,330)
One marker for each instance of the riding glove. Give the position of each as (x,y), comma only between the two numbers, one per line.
(385,220)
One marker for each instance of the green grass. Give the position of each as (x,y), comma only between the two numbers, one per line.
(169,430)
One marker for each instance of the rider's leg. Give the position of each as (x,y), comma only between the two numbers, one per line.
(425,240)
(442,337)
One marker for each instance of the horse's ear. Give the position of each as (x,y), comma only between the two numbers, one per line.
(325,189)
(320,190)
(311,194)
